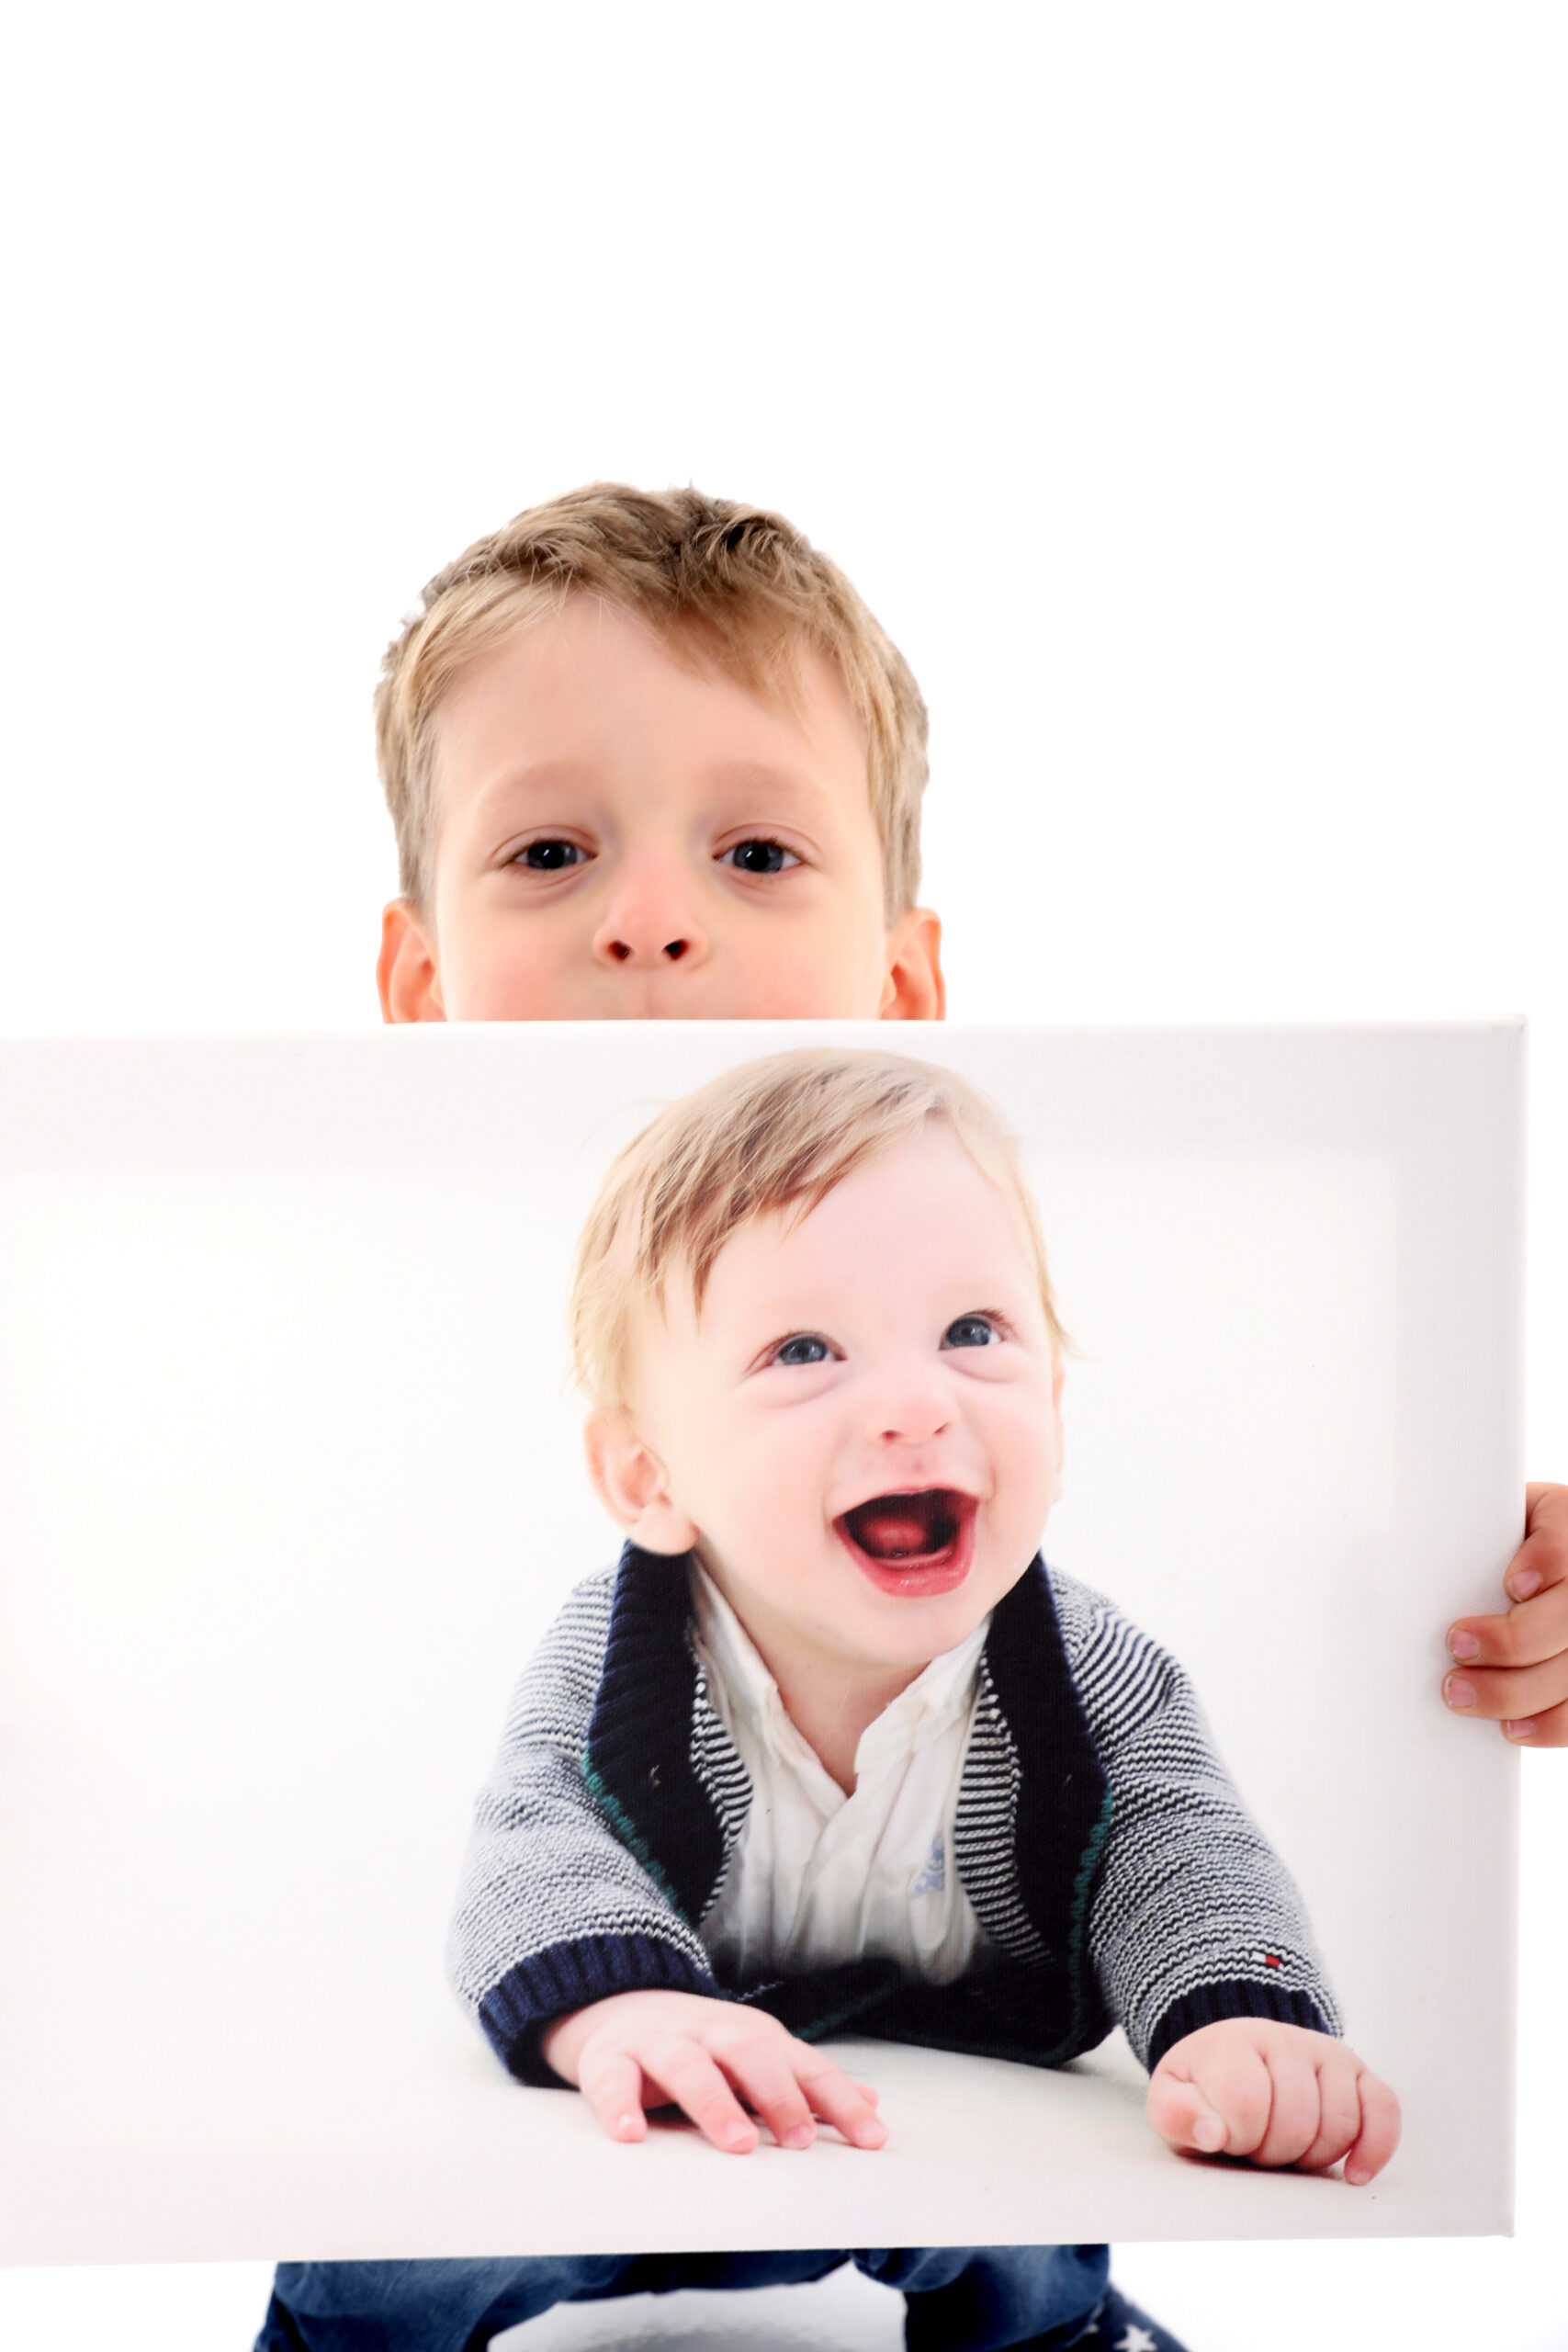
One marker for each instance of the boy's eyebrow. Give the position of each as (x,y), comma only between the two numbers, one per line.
(539,775)
(789,786)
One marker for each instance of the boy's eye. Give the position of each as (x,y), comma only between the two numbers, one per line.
(971,1332)
(549,857)
(804,1348)
(759,856)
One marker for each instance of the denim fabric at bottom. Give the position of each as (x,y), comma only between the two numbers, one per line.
(959,2298)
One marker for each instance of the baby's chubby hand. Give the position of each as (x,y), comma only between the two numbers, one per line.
(640,2049)
(1275,2094)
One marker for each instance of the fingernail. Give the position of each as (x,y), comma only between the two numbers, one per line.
(1209,2134)
(1461,1644)
(872,2134)
(626,2125)
(1523,1729)
(1358,2177)
(1459,1692)
(800,2135)
(1522,1585)
(737,2135)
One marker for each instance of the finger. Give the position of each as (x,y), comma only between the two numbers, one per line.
(1530,1634)
(1183,2117)
(1340,2110)
(1379,2134)
(691,2080)
(1235,2080)
(1295,2107)
(760,2072)
(1543,1558)
(612,2084)
(790,2082)
(849,2106)
(1225,2078)
(1549,1729)
(1501,1695)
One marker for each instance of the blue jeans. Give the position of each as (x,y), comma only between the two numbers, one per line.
(959,2298)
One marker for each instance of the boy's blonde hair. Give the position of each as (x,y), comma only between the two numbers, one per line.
(775,1135)
(732,585)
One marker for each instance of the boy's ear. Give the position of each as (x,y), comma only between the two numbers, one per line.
(914,988)
(634,1486)
(407,973)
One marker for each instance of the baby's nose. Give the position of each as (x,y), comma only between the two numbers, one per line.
(909,1411)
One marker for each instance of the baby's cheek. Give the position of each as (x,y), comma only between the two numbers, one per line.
(765,1513)
(1028,1481)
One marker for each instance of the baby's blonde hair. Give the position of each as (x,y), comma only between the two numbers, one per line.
(775,1135)
(731,585)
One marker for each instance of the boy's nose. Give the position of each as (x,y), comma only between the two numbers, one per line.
(649,921)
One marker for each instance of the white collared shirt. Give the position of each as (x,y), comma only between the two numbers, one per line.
(819,1876)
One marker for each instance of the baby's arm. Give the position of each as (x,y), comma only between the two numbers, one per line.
(579,1967)
(1513,1670)
(554,1911)
(1277,2094)
(1199,1935)
(1193,1917)
(706,2057)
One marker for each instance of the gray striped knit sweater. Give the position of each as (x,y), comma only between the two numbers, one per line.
(1098,1838)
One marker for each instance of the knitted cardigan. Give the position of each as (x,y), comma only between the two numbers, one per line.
(1098,1837)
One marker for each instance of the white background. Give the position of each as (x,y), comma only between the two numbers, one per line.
(1182,387)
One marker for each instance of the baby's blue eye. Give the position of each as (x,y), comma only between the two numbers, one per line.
(804,1348)
(970,1331)
(549,857)
(759,856)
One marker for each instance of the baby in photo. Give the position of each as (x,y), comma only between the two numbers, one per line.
(832,1750)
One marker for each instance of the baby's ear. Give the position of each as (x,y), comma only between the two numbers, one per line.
(1059,1375)
(634,1486)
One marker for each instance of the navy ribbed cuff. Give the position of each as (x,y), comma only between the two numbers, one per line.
(551,1983)
(1239,1998)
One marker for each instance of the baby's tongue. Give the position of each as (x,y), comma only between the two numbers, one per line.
(897,1527)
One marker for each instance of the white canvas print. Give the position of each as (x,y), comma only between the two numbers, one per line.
(294,1486)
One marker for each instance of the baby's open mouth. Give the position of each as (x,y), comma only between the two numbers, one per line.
(911,1543)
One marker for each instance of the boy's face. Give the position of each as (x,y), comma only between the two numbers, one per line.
(618,836)
(860,1435)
